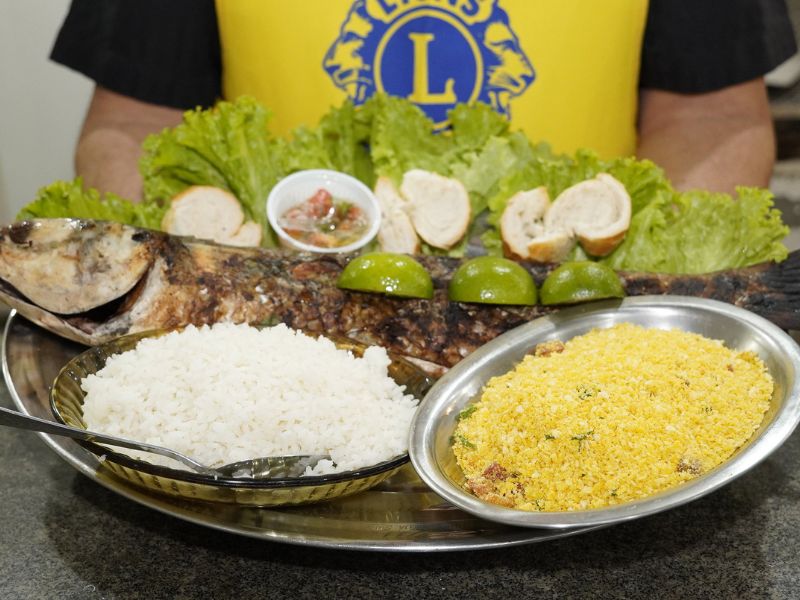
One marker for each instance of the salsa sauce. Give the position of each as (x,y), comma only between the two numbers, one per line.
(325,221)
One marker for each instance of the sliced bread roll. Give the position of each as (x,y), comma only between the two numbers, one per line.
(396,233)
(523,231)
(210,213)
(551,246)
(438,206)
(249,234)
(597,211)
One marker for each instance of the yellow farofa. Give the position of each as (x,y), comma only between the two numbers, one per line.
(618,415)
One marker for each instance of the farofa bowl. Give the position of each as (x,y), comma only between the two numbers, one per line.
(431,437)
(67,397)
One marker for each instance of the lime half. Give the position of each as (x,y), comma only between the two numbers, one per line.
(387,273)
(492,280)
(582,281)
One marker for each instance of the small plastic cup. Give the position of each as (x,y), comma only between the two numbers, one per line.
(300,186)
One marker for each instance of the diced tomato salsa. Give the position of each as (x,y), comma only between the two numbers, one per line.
(325,221)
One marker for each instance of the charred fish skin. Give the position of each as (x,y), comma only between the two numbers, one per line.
(771,290)
(194,282)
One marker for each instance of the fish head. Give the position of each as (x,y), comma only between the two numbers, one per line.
(70,266)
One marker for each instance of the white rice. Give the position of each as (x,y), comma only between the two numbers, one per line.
(232,392)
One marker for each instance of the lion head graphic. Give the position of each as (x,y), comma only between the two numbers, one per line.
(434,53)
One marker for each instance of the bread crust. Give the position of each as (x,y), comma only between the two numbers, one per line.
(397,233)
(522,221)
(210,213)
(553,246)
(597,211)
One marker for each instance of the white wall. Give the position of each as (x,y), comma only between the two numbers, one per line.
(41,103)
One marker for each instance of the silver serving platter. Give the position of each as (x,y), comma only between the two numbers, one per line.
(399,515)
(430,446)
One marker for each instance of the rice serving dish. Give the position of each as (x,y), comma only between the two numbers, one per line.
(67,402)
(431,443)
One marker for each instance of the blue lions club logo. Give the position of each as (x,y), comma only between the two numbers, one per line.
(436,53)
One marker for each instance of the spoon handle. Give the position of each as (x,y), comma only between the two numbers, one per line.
(17,420)
(12,418)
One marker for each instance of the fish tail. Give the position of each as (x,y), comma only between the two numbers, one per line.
(771,290)
(778,296)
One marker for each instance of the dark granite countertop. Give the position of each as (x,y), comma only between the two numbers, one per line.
(64,536)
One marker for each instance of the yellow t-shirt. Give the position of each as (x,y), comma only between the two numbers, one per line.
(563,71)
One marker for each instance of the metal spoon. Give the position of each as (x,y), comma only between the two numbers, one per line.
(271,467)
(265,467)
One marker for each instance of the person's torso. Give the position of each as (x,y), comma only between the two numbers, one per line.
(564,71)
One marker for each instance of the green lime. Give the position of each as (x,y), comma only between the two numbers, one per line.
(581,281)
(492,280)
(388,273)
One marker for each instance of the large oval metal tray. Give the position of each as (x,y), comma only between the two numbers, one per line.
(401,514)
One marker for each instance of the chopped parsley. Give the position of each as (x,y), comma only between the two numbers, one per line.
(582,437)
(463,441)
(467,412)
(270,321)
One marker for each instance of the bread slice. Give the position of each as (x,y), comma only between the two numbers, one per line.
(438,206)
(249,234)
(210,213)
(551,246)
(597,211)
(523,220)
(523,231)
(396,233)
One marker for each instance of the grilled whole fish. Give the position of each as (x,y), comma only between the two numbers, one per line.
(91,281)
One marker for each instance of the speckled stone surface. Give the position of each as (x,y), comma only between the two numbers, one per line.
(64,536)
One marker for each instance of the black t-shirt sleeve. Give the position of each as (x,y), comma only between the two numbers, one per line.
(160,51)
(693,46)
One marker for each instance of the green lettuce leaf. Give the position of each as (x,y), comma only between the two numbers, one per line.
(472,125)
(339,142)
(482,170)
(702,232)
(402,138)
(228,146)
(670,232)
(643,180)
(477,149)
(306,150)
(345,138)
(70,199)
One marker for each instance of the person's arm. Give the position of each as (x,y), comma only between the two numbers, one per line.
(110,143)
(714,140)
(150,61)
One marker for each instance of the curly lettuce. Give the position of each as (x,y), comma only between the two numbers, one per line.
(671,231)
(230,146)
(72,199)
(702,232)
